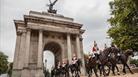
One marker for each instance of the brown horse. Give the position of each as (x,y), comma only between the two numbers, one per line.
(124,58)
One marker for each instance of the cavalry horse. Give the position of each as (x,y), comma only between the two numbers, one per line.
(113,59)
(104,61)
(76,68)
(65,70)
(91,64)
(124,58)
(56,72)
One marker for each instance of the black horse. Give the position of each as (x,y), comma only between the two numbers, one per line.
(76,68)
(56,72)
(65,70)
(104,61)
(113,59)
(124,58)
(91,64)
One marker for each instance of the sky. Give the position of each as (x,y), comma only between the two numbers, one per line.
(93,14)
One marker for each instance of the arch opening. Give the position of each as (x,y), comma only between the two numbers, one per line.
(51,55)
(48,60)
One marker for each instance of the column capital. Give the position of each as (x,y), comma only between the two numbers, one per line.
(68,33)
(20,32)
(40,30)
(28,29)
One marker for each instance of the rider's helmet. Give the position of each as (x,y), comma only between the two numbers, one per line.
(105,46)
(64,61)
(95,44)
(74,56)
(112,45)
(59,63)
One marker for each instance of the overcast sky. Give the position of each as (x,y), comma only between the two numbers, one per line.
(93,14)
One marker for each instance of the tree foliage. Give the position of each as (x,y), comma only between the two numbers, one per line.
(124,24)
(3,63)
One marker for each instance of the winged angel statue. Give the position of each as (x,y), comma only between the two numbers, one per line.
(51,10)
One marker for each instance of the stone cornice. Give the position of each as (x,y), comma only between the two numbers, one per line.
(82,31)
(35,19)
(49,14)
(53,29)
(19,23)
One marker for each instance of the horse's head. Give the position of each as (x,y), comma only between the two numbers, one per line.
(79,62)
(115,50)
(129,52)
(107,51)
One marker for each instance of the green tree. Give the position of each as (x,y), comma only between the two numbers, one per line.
(124,24)
(3,63)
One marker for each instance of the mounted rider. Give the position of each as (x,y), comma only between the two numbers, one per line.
(74,59)
(105,46)
(118,51)
(95,49)
(63,63)
(59,65)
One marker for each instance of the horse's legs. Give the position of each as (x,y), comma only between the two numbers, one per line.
(100,70)
(104,73)
(124,70)
(67,75)
(108,70)
(89,72)
(79,69)
(95,71)
(113,69)
(73,74)
(129,69)
(117,70)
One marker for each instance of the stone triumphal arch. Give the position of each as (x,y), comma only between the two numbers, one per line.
(41,31)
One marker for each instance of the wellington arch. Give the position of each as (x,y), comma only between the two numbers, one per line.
(40,31)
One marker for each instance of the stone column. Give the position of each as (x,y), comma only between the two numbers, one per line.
(28,35)
(78,46)
(40,51)
(82,55)
(40,55)
(63,51)
(18,40)
(22,49)
(69,48)
(79,50)
(19,53)
(26,71)
(15,72)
